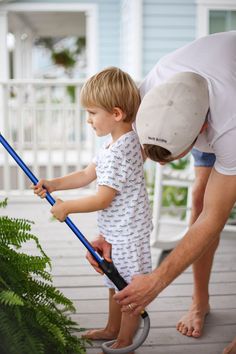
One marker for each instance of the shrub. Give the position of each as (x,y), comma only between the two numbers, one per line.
(33,314)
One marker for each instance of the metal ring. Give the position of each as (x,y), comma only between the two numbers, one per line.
(130,306)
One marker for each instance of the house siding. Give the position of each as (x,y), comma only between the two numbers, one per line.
(167,25)
(108,28)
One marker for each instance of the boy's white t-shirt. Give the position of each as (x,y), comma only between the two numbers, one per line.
(120,166)
(214,58)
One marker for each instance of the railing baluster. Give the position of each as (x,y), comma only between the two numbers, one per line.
(78,135)
(6,131)
(21,126)
(45,147)
(65,142)
(34,142)
(49,131)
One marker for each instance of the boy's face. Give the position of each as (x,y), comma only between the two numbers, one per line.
(103,122)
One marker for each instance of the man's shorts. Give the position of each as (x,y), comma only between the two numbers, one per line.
(203,159)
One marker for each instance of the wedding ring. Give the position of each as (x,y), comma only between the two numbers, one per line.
(130,306)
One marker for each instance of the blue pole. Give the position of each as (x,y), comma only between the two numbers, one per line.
(108,267)
(50,199)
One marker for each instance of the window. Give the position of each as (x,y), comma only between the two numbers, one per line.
(221,21)
(215,16)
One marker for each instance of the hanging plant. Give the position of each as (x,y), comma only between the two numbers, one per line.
(64,58)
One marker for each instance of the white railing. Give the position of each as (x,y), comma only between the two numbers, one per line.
(44,122)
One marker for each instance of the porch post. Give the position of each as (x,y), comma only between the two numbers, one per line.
(4,65)
(23,54)
(131,34)
(17,60)
(4,70)
(91,40)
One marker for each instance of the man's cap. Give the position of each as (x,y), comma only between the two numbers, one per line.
(172,114)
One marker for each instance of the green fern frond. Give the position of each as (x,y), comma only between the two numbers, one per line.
(44,321)
(33,313)
(9,298)
(17,231)
(3,203)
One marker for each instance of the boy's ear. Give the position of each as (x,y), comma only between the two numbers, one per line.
(118,114)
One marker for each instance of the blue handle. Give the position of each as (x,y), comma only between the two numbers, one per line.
(51,200)
(108,268)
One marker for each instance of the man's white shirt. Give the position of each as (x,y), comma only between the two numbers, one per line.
(214,58)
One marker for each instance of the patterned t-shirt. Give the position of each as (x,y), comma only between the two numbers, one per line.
(120,166)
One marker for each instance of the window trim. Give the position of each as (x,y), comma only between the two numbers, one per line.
(203,9)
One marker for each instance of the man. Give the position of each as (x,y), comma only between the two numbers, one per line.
(189,100)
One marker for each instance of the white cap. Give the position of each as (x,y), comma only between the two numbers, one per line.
(172,114)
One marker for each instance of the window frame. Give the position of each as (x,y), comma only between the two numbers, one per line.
(203,10)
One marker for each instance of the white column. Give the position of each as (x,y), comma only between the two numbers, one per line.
(4,75)
(4,69)
(92,40)
(17,55)
(137,38)
(23,54)
(131,37)
(29,56)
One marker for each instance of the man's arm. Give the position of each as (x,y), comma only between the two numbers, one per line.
(219,199)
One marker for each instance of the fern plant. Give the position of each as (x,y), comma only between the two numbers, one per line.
(33,314)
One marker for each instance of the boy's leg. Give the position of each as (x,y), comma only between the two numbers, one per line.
(128,328)
(112,327)
(192,323)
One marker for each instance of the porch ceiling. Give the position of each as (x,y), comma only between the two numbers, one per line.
(53,24)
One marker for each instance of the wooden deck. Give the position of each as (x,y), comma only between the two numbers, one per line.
(78,281)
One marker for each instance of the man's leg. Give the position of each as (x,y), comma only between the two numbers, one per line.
(192,323)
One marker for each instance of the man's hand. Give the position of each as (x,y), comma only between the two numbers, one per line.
(138,294)
(59,210)
(103,248)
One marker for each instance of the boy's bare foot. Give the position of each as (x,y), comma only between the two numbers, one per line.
(100,334)
(119,344)
(191,324)
(231,348)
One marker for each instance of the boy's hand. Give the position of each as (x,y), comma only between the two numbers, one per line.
(59,211)
(42,187)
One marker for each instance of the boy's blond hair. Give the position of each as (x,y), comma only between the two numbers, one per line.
(112,88)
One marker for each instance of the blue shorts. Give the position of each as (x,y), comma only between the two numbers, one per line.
(203,159)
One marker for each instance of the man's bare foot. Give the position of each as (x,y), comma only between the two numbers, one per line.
(231,348)
(119,344)
(191,324)
(100,334)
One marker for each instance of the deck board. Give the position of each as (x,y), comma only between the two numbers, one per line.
(76,279)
